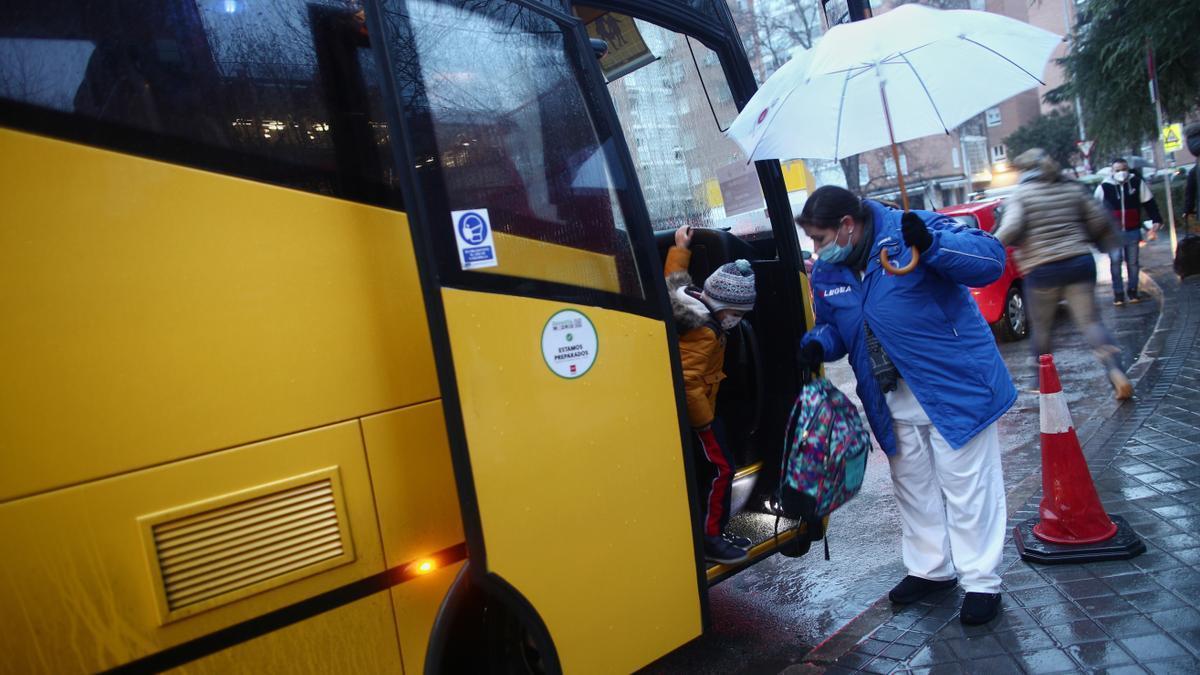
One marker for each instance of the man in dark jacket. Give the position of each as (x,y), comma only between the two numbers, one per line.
(1125,195)
(1192,133)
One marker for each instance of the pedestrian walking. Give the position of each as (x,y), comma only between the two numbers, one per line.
(930,378)
(1054,227)
(1126,195)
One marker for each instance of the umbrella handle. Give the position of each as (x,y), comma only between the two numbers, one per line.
(900,271)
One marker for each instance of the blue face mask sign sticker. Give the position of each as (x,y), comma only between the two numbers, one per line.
(569,344)
(473,232)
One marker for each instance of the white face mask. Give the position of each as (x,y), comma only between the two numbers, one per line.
(1121,176)
(730,322)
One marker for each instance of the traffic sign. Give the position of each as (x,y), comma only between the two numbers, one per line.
(1172,137)
(1086,147)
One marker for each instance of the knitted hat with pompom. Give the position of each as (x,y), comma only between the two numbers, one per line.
(731,287)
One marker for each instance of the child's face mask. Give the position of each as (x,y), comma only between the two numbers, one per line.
(730,321)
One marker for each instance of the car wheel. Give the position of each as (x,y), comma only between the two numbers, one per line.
(1014,322)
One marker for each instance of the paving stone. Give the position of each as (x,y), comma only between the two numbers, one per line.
(1189,556)
(1121,670)
(882,666)
(853,660)
(943,669)
(886,634)
(1025,640)
(1133,584)
(1066,572)
(1086,588)
(1099,655)
(929,625)
(1038,597)
(1112,605)
(1045,661)
(1176,619)
(870,646)
(1129,625)
(1022,579)
(934,653)
(995,664)
(1079,632)
(899,652)
(1182,666)
(1153,647)
(911,639)
(974,648)
(1052,615)
(1189,638)
(1178,542)
(1112,568)
(1153,601)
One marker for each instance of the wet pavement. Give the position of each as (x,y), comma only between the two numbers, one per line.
(786,611)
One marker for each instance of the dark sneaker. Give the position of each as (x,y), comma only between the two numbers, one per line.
(1119,301)
(741,542)
(718,550)
(979,608)
(1134,299)
(911,589)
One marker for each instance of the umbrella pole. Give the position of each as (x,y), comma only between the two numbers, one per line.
(887,115)
(883,254)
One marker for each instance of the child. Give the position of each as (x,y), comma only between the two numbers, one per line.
(702,318)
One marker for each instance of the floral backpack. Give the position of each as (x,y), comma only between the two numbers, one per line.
(824,458)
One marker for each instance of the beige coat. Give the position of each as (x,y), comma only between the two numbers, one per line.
(1052,220)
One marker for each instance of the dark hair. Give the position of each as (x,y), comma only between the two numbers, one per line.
(826,207)
(1120,160)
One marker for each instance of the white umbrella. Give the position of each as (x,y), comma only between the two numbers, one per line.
(911,72)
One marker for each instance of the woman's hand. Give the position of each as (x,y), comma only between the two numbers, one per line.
(811,355)
(683,236)
(915,233)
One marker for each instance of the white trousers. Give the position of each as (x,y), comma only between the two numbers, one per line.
(952,506)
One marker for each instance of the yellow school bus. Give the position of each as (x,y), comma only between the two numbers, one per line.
(334,336)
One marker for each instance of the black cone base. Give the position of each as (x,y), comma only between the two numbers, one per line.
(1123,545)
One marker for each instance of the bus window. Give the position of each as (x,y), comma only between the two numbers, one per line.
(501,125)
(281,91)
(671,111)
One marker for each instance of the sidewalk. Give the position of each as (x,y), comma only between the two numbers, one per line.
(1135,616)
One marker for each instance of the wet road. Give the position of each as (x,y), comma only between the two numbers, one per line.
(773,614)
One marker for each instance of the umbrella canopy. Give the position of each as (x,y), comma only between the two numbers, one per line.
(934,68)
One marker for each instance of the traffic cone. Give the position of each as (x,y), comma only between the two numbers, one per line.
(1072,524)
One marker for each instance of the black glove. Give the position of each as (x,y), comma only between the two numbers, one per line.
(915,232)
(811,355)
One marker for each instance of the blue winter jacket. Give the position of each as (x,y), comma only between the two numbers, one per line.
(926,321)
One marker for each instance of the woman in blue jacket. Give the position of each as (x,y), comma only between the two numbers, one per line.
(930,379)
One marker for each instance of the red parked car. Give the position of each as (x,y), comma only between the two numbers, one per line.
(1001,302)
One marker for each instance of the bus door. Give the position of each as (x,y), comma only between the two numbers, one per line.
(677,80)
(548,313)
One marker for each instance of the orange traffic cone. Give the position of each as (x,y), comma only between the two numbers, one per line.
(1073,525)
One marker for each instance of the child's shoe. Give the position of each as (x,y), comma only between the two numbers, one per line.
(743,543)
(718,550)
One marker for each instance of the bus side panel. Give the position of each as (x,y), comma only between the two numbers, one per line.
(150,312)
(351,640)
(419,513)
(580,483)
(417,605)
(81,588)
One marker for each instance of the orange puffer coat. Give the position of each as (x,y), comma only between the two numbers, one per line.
(701,340)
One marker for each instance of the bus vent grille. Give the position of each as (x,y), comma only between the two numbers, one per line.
(208,557)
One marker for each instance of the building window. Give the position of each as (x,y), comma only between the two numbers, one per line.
(999,153)
(864,176)
(889,166)
(993,117)
(954,158)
